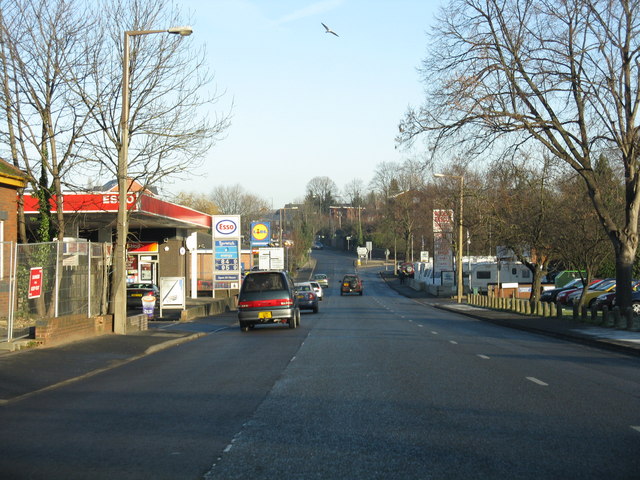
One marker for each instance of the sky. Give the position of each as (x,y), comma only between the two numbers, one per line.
(305,103)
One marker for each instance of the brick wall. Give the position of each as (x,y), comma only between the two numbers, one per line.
(58,330)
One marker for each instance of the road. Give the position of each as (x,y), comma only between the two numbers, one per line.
(372,387)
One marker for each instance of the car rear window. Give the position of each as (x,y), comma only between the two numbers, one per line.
(263,282)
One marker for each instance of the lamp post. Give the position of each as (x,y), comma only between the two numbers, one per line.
(122,225)
(459,249)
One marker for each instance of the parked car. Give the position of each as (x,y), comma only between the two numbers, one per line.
(635,297)
(135,292)
(318,289)
(317,246)
(351,284)
(604,300)
(562,297)
(552,294)
(591,294)
(307,298)
(322,279)
(267,297)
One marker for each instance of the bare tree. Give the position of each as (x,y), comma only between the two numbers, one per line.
(197,201)
(171,125)
(523,202)
(322,192)
(42,47)
(385,179)
(234,200)
(354,192)
(560,74)
(578,238)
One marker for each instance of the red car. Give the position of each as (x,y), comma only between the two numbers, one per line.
(562,297)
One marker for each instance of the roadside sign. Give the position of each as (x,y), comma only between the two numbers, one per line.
(260,233)
(172,293)
(271,258)
(226,252)
(35,282)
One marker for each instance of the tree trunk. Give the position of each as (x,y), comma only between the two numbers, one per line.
(625,256)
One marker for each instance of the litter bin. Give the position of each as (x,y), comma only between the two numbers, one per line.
(148,305)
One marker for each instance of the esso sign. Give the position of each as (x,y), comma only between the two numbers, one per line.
(226,227)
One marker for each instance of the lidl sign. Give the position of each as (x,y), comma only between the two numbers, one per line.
(260,233)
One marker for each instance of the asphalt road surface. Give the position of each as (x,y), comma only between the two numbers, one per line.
(372,387)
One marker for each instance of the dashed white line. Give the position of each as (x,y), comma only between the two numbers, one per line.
(484,357)
(539,382)
(636,427)
(435,333)
(453,342)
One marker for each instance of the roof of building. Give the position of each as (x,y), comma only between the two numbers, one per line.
(10,175)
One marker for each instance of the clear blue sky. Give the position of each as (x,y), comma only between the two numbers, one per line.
(307,103)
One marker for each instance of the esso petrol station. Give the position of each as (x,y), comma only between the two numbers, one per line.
(161,234)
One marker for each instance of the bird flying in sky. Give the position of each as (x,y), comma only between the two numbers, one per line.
(328,30)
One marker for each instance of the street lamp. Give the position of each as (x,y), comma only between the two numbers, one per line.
(122,225)
(459,249)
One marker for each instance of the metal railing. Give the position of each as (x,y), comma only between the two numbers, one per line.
(46,280)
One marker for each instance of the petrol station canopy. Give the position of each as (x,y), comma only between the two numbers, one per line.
(95,210)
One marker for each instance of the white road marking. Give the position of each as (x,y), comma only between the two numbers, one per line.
(539,382)
(227,448)
(484,357)
(435,333)
(636,427)
(453,342)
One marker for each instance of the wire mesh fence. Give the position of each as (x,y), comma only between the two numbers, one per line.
(46,280)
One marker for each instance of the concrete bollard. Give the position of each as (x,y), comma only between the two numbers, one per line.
(627,323)
(583,313)
(558,309)
(594,315)
(527,308)
(605,316)
(575,312)
(552,310)
(615,317)
(545,309)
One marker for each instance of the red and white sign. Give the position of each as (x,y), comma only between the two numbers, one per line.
(138,203)
(226,226)
(35,282)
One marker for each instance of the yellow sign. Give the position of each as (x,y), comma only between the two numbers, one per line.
(260,231)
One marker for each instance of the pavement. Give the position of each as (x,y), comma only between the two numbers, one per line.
(622,341)
(27,372)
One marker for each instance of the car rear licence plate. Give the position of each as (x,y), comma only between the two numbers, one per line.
(264,315)
(136,294)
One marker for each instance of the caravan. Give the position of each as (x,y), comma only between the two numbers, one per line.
(494,273)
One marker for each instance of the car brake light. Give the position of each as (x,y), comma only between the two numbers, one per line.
(279,302)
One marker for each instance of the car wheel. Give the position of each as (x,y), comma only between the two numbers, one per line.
(360,292)
(299,316)
(292,321)
(315,309)
(244,327)
(635,306)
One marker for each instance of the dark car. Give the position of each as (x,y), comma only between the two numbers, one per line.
(351,284)
(552,294)
(267,297)
(307,297)
(135,292)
